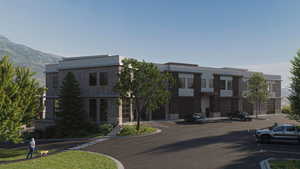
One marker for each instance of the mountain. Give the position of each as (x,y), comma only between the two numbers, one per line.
(22,55)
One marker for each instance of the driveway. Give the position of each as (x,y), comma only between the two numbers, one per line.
(221,145)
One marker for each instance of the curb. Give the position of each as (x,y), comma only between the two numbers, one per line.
(143,135)
(118,163)
(265,164)
(110,137)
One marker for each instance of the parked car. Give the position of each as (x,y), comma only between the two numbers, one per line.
(278,132)
(195,117)
(244,116)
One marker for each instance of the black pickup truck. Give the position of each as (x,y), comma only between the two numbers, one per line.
(243,116)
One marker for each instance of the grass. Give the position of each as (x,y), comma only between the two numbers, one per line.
(285,164)
(10,154)
(65,160)
(130,130)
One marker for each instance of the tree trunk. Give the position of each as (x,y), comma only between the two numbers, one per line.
(138,111)
(256,105)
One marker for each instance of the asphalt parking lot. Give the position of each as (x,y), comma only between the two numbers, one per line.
(220,145)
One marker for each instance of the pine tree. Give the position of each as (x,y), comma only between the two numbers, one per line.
(71,115)
(294,97)
(19,100)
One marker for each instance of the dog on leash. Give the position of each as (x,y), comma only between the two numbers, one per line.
(44,152)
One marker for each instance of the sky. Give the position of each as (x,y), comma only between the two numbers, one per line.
(255,34)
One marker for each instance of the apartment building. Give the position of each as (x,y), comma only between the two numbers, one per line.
(211,91)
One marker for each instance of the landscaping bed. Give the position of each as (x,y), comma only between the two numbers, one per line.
(130,130)
(284,164)
(65,160)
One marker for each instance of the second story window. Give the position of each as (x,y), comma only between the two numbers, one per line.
(186,81)
(103,78)
(55,81)
(211,83)
(226,84)
(229,84)
(93,79)
(181,82)
(223,84)
(203,83)
(190,83)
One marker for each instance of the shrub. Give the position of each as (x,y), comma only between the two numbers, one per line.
(131,130)
(286,109)
(128,131)
(27,135)
(51,132)
(104,129)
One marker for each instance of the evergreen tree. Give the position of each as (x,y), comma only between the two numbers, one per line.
(19,100)
(71,115)
(294,97)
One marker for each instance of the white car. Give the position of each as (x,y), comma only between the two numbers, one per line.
(278,132)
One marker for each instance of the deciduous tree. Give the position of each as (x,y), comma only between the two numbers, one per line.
(144,84)
(257,92)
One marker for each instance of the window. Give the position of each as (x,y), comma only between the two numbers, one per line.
(55,81)
(211,83)
(126,110)
(181,82)
(103,78)
(278,129)
(190,82)
(55,108)
(103,109)
(229,84)
(93,79)
(223,84)
(186,81)
(290,128)
(93,109)
(203,83)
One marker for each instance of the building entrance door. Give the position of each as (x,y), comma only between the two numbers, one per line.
(204,104)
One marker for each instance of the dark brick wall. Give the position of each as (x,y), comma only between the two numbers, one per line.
(197,84)
(236,86)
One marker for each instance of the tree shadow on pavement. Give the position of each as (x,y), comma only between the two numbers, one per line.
(241,140)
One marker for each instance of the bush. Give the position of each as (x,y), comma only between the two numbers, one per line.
(286,109)
(51,132)
(131,130)
(27,135)
(104,129)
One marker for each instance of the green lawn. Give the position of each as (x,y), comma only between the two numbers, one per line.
(285,164)
(16,153)
(9,154)
(65,160)
(130,130)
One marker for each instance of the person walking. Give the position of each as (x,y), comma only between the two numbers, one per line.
(31,148)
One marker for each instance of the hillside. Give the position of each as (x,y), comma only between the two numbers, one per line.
(25,56)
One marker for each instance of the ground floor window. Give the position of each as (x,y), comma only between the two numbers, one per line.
(126,110)
(93,109)
(55,108)
(103,109)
